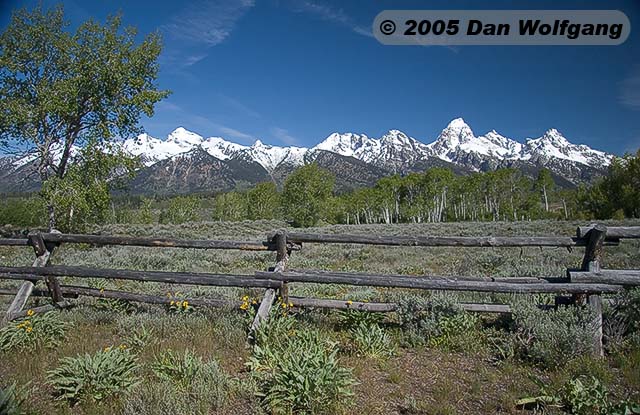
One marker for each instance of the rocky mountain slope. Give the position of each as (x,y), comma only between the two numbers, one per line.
(187,162)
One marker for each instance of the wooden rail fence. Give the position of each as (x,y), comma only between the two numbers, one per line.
(586,285)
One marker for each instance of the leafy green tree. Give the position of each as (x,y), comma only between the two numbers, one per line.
(544,184)
(230,207)
(263,201)
(82,196)
(145,212)
(60,90)
(618,194)
(22,211)
(181,209)
(305,193)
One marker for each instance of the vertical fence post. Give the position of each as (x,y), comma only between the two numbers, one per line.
(591,262)
(43,254)
(279,239)
(282,257)
(42,249)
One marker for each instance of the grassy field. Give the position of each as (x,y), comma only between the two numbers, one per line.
(473,365)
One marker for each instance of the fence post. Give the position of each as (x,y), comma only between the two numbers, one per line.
(43,254)
(41,249)
(282,257)
(591,262)
(279,239)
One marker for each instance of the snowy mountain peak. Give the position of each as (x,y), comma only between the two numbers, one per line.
(395,137)
(457,131)
(553,144)
(457,124)
(184,137)
(554,136)
(347,144)
(395,151)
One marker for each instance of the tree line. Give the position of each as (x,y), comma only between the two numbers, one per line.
(307,198)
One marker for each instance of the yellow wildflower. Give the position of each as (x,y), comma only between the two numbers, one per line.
(245,298)
(30,312)
(106,349)
(349,302)
(284,305)
(244,306)
(290,304)
(29,329)
(185,304)
(123,346)
(254,301)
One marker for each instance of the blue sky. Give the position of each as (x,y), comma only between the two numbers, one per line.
(292,72)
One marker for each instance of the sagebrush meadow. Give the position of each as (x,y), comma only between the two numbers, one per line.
(428,357)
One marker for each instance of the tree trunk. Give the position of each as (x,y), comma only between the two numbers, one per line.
(52,216)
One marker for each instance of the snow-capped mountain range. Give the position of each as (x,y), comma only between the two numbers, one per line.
(185,158)
(394,150)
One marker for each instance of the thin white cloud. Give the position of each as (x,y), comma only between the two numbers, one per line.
(630,90)
(284,136)
(193,59)
(232,132)
(198,27)
(208,22)
(328,13)
(167,105)
(197,122)
(239,106)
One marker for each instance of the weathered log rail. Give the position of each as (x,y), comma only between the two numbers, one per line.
(103,240)
(586,284)
(448,241)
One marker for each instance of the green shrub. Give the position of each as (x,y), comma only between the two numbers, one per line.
(436,321)
(12,399)
(371,340)
(502,345)
(108,372)
(458,332)
(33,331)
(583,395)
(112,304)
(552,337)
(351,319)
(621,320)
(297,370)
(116,304)
(137,339)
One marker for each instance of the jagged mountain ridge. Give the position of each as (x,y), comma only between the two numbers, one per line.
(186,161)
(394,151)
